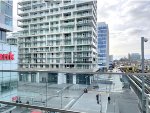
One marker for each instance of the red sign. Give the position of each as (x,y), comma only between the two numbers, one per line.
(15,98)
(36,112)
(9,56)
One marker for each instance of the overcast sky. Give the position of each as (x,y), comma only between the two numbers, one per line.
(128,20)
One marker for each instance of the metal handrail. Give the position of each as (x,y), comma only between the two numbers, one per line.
(39,107)
(77,71)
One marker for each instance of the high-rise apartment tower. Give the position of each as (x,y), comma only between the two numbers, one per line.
(57,35)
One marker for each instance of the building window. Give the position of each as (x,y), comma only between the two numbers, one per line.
(6,8)
(23,77)
(33,77)
(52,78)
(2,35)
(8,21)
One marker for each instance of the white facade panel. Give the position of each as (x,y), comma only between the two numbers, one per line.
(74,79)
(61,78)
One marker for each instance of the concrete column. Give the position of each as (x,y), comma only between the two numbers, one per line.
(61,78)
(0,88)
(38,77)
(72,57)
(91,79)
(74,79)
(29,77)
(64,78)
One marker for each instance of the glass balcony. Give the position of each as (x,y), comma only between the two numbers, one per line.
(84,7)
(53,19)
(55,25)
(68,24)
(85,28)
(84,14)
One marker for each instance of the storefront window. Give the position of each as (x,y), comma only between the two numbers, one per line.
(69,78)
(83,79)
(33,77)
(52,78)
(23,77)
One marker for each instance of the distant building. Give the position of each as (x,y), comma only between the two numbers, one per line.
(134,57)
(103,45)
(12,39)
(110,58)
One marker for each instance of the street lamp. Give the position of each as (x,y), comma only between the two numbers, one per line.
(142,63)
(46,92)
(60,92)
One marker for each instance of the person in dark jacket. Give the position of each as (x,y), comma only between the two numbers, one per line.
(109,99)
(97,98)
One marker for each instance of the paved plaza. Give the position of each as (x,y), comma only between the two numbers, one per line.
(123,102)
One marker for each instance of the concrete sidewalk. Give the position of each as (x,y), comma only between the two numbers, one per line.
(123,102)
(88,104)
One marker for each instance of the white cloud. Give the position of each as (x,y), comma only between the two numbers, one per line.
(128,20)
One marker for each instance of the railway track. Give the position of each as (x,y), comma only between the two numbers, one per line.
(147,79)
(139,83)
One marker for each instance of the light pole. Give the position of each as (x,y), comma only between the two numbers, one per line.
(142,64)
(46,92)
(61,97)
(100,102)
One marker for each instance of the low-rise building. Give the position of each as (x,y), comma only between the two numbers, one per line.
(12,38)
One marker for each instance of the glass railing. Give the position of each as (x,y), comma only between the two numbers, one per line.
(70,90)
(53,19)
(56,25)
(69,23)
(85,28)
(83,14)
(84,7)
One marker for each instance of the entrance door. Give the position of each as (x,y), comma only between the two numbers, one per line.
(52,78)
(83,79)
(69,78)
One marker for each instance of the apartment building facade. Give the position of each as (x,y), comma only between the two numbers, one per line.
(103,45)
(57,35)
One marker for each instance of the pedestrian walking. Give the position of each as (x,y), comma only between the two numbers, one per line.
(20,101)
(97,98)
(85,90)
(27,102)
(109,99)
(17,101)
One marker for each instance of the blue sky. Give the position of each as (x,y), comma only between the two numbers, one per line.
(128,20)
